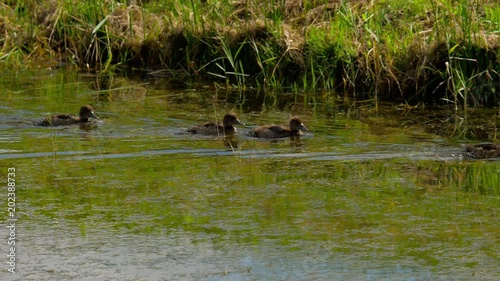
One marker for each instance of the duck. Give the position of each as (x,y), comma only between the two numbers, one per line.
(86,112)
(212,128)
(483,150)
(274,131)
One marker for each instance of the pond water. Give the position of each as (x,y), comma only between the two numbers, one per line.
(372,192)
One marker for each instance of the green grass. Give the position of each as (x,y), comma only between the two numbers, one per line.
(444,51)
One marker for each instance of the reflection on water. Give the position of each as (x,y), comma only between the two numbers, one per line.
(180,255)
(362,196)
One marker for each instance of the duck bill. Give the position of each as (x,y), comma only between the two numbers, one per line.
(303,128)
(92,114)
(239,122)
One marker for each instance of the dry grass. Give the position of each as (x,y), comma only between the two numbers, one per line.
(423,50)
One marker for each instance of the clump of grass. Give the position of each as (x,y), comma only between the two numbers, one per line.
(439,51)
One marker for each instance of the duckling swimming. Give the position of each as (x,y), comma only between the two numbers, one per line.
(211,128)
(484,150)
(86,112)
(274,131)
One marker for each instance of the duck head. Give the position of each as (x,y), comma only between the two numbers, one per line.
(231,119)
(296,124)
(87,112)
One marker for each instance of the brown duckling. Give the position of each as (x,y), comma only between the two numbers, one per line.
(484,150)
(86,112)
(211,128)
(274,131)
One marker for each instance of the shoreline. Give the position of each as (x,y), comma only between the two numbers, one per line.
(405,52)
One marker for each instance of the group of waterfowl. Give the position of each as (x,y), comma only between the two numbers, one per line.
(267,131)
(487,150)
(210,128)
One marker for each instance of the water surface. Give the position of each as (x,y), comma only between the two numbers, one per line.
(372,192)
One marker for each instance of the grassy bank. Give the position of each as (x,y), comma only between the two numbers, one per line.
(410,51)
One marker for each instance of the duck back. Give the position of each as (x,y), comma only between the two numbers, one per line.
(485,150)
(211,128)
(58,120)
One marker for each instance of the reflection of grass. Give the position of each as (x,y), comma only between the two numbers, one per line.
(271,193)
(477,177)
(391,208)
(471,123)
